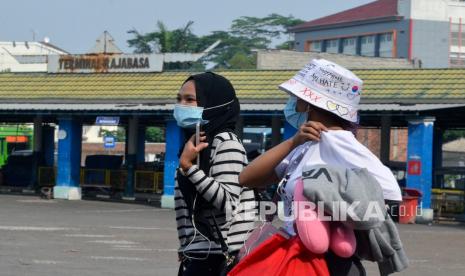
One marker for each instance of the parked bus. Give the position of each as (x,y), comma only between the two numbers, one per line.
(14,139)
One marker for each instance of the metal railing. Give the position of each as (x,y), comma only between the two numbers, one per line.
(447,201)
(99,178)
(144,181)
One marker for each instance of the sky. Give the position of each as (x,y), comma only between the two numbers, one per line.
(74,25)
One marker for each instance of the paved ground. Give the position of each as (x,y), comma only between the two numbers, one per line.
(39,237)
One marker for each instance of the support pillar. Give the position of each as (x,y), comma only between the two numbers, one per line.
(358,46)
(377,44)
(48,145)
(141,132)
(126,135)
(275,130)
(420,160)
(131,160)
(37,151)
(38,130)
(385,150)
(437,157)
(174,138)
(69,160)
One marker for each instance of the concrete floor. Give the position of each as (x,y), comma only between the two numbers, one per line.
(53,237)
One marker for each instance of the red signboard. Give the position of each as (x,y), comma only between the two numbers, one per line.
(414,167)
(16,139)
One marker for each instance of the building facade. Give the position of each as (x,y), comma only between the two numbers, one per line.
(430,33)
(26,56)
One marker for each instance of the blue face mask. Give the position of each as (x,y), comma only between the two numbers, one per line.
(187,116)
(294,118)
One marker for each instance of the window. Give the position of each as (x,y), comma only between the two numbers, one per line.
(455,38)
(457,59)
(316,46)
(349,46)
(368,46)
(454,34)
(385,38)
(332,46)
(385,45)
(31,59)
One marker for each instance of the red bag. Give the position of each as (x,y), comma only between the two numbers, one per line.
(278,256)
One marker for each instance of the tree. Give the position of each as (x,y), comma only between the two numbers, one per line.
(165,41)
(152,134)
(241,60)
(162,40)
(248,34)
(453,134)
(155,135)
(265,29)
(235,50)
(119,134)
(228,48)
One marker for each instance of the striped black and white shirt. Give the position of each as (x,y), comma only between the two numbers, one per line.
(234,206)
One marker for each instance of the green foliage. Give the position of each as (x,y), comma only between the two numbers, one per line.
(152,134)
(453,134)
(288,45)
(228,48)
(155,135)
(120,134)
(165,41)
(243,61)
(235,50)
(263,29)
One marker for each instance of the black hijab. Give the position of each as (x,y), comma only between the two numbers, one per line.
(215,92)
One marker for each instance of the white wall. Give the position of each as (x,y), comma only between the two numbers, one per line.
(91,133)
(10,50)
(434,10)
(456,11)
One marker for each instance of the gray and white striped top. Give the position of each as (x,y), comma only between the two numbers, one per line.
(234,206)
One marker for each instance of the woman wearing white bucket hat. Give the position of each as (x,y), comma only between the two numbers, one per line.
(323,106)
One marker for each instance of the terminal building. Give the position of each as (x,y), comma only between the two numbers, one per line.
(26,56)
(428,32)
(62,101)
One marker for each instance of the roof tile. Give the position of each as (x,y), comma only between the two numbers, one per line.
(254,85)
(373,10)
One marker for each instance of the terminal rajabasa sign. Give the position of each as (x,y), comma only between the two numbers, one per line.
(105,63)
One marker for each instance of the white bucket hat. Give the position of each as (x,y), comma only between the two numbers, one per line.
(328,86)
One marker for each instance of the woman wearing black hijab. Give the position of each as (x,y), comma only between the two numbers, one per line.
(210,205)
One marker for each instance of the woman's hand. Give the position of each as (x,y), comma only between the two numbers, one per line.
(310,131)
(190,152)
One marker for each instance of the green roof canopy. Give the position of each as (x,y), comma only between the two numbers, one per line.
(254,86)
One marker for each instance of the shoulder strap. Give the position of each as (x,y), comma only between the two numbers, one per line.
(224,246)
(287,174)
